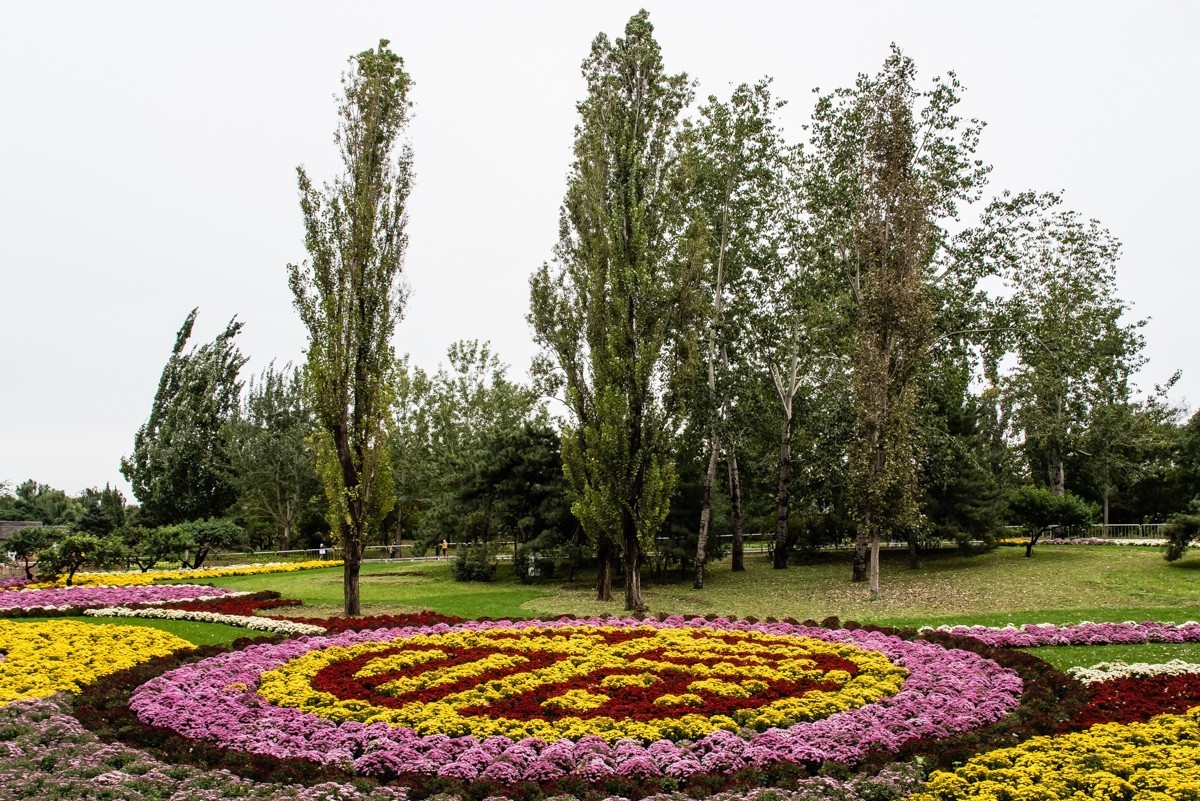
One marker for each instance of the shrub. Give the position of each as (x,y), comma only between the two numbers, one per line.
(1180,531)
(475,563)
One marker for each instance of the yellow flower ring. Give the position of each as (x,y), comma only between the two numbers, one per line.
(40,659)
(644,683)
(536,700)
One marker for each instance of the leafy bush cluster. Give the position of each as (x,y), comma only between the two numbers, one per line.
(475,563)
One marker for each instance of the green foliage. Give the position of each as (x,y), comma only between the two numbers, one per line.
(14,507)
(26,543)
(67,553)
(616,318)
(271,460)
(460,434)
(475,563)
(1062,320)
(149,546)
(35,501)
(179,469)
(515,485)
(1037,509)
(104,510)
(350,297)
(745,225)
(1181,532)
(889,168)
(964,475)
(209,534)
(536,562)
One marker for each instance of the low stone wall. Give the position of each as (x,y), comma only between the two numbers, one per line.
(10,527)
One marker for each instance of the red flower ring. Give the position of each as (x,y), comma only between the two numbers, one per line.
(672,675)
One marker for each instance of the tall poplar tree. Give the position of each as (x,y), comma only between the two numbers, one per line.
(738,201)
(615,315)
(890,165)
(350,297)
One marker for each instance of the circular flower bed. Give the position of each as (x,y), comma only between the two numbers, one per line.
(593,698)
(672,710)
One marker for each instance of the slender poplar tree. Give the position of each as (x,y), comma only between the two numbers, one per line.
(740,170)
(890,165)
(616,314)
(350,296)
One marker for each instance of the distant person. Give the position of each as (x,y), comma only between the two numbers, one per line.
(445,546)
(321,551)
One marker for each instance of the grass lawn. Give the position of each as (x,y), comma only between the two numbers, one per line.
(391,587)
(1063,584)
(1060,584)
(193,632)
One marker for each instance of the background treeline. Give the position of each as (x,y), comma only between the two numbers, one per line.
(846,338)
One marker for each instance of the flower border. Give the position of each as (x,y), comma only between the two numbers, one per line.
(253,622)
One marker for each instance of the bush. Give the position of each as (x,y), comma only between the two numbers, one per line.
(532,563)
(475,563)
(1180,531)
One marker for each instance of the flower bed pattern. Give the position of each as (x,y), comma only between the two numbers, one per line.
(73,600)
(46,754)
(321,711)
(946,692)
(149,577)
(1036,635)
(40,659)
(1136,699)
(1154,761)
(247,604)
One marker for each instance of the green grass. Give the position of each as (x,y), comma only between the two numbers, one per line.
(194,632)
(392,587)
(1060,584)
(1064,584)
(1065,656)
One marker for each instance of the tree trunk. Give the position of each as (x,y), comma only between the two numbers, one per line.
(862,543)
(633,568)
(1058,476)
(633,555)
(875,564)
(1106,494)
(913,562)
(706,512)
(352,559)
(781,506)
(604,566)
(735,510)
(1032,542)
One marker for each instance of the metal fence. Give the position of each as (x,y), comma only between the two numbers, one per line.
(1111,531)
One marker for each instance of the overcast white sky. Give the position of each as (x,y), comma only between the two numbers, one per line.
(148,150)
